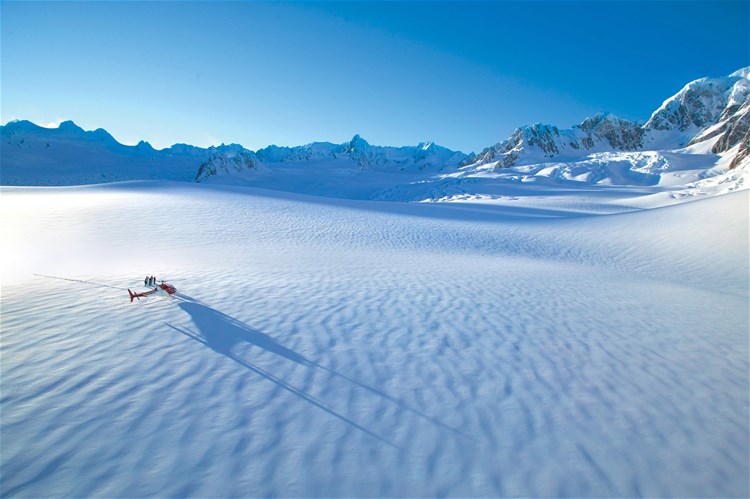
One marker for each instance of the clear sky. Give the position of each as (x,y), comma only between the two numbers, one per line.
(461,74)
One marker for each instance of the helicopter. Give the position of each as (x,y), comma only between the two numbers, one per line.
(163,288)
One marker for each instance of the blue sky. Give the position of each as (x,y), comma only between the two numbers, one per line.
(462,74)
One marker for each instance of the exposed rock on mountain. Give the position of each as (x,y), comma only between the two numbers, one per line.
(705,109)
(703,127)
(620,134)
(602,132)
(702,103)
(366,156)
(228,162)
(33,155)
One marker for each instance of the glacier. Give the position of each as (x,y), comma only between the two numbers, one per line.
(353,320)
(324,347)
(704,126)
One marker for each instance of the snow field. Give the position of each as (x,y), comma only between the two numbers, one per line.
(324,347)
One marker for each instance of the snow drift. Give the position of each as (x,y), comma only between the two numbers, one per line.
(553,320)
(326,348)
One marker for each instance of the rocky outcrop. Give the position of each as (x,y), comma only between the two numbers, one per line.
(743,153)
(708,108)
(701,104)
(540,143)
(620,134)
(231,162)
(366,156)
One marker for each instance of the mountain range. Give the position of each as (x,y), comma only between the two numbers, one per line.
(704,127)
(705,109)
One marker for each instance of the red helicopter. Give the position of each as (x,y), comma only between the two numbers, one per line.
(164,289)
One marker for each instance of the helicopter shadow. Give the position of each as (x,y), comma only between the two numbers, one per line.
(221,333)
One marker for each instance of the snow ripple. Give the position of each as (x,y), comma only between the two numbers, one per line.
(326,350)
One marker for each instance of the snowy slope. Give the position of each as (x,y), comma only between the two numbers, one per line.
(695,114)
(324,347)
(701,104)
(353,170)
(541,143)
(68,155)
(697,143)
(33,155)
(426,155)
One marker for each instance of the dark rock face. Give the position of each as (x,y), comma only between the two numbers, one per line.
(227,163)
(698,104)
(734,129)
(599,132)
(712,106)
(702,110)
(621,134)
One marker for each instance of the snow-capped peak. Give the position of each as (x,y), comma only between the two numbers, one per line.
(542,142)
(357,144)
(703,109)
(228,162)
(701,103)
(709,115)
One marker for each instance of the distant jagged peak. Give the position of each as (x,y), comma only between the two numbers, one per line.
(536,130)
(309,152)
(227,149)
(228,161)
(543,142)
(144,146)
(65,130)
(528,135)
(70,127)
(701,102)
(539,134)
(613,131)
(603,119)
(592,121)
(739,93)
(357,144)
(101,132)
(742,73)
(182,148)
(20,126)
(706,108)
(102,136)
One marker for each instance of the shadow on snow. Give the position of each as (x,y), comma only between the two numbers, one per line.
(221,333)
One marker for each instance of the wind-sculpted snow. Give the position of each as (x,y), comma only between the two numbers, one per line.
(327,348)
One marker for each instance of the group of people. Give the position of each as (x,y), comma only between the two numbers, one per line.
(149,281)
